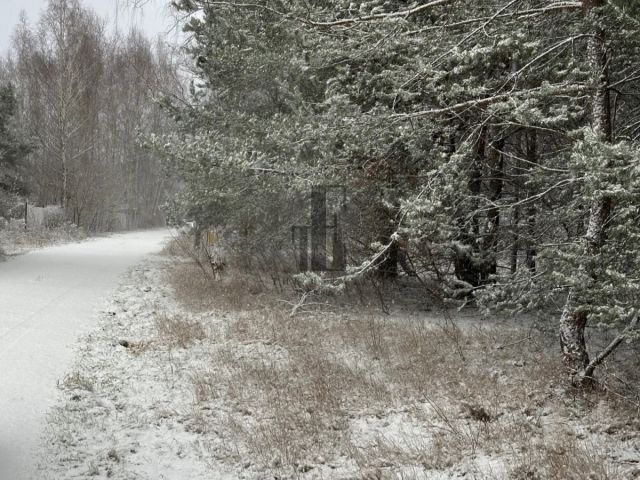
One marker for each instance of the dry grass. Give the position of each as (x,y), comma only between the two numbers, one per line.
(562,458)
(378,393)
(179,332)
(15,239)
(200,292)
(200,289)
(175,247)
(76,381)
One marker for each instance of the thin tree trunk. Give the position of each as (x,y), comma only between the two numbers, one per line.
(388,266)
(532,160)
(515,238)
(319,229)
(465,262)
(475,177)
(496,183)
(574,318)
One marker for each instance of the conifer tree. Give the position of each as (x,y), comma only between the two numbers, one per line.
(12,147)
(493,144)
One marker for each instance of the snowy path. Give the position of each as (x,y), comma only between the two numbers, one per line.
(48,299)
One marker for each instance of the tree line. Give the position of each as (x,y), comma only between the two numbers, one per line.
(489,147)
(81,98)
(487,150)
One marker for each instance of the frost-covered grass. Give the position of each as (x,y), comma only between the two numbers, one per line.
(216,379)
(15,239)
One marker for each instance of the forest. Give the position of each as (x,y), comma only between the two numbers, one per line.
(489,150)
(473,157)
(75,102)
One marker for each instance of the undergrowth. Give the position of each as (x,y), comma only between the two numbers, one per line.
(403,395)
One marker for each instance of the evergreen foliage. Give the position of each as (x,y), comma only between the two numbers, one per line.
(475,139)
(12,147)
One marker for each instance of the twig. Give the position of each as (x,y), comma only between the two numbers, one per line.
(518,342)
(297,306)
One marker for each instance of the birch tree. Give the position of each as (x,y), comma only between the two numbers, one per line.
(85,100)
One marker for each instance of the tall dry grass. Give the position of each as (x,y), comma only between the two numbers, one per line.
(400,395)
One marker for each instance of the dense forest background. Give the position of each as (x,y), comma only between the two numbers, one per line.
(487,150)
(76,102)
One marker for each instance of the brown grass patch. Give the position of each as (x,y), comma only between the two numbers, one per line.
(232,291)
(562,458)
(298,390)
(16,238)
(177,331)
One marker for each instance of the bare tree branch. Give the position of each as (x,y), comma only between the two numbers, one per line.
(381,16)
(553,91)
(533,12)
(342,22)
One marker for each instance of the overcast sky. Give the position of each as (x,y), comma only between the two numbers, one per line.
(153,18)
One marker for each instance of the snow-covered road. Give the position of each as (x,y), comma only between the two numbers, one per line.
(48,298)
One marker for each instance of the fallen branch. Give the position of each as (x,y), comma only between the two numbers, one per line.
(299,304)
(518,342)
(590,368)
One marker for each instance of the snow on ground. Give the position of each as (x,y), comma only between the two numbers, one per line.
(127,409)
(16,240)
(160,391)
(48,298)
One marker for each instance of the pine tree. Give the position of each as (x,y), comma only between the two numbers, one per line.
(493,144)
(12,148)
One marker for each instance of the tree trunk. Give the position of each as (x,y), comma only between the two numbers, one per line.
(467,263)
(574,349)
(496,183)
(574,319)
(319,229)
(197,235)
(388,265)
(65,177)
(515,238)
(475,178)
(532,160)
